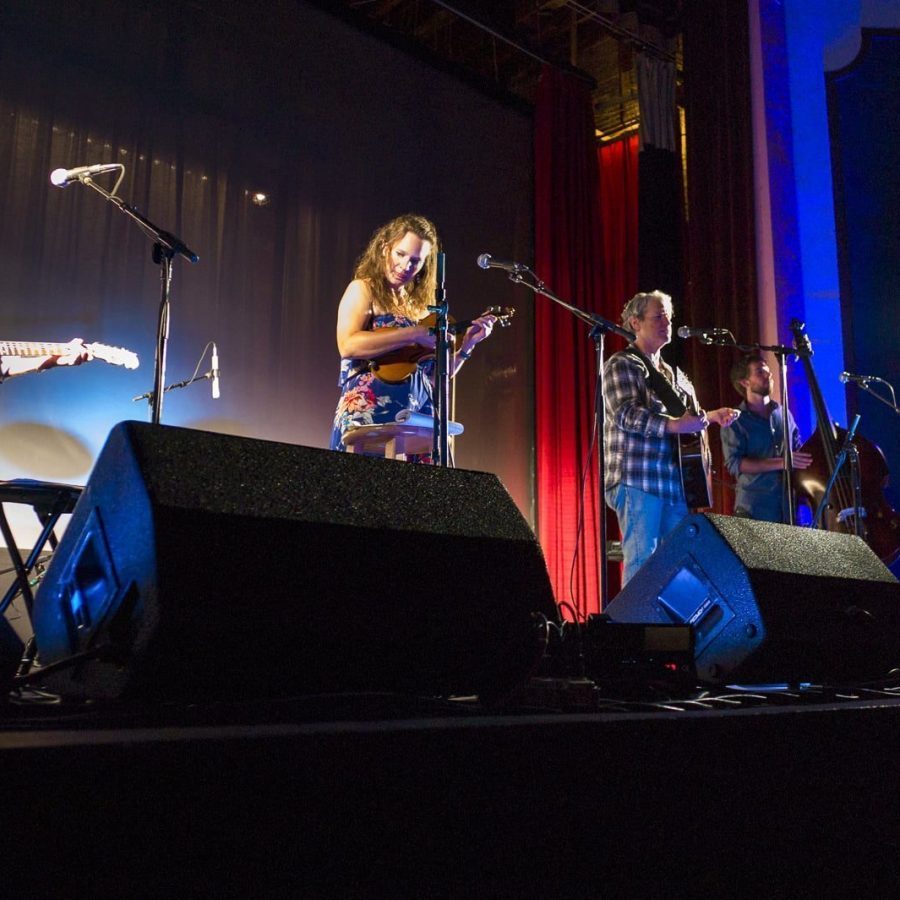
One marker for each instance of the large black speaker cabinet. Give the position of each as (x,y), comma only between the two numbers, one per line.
(202,565)
(770,603)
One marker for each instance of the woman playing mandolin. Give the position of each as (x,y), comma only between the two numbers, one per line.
(380,316)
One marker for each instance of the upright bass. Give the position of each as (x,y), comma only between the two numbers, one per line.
(880,524)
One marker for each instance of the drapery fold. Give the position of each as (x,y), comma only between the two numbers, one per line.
(585,251)
(720,250)
(656,100)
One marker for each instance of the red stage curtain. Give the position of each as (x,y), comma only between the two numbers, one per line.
(619,213)
(572,247)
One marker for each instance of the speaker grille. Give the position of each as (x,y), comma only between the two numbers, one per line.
(770,602)
(236,566)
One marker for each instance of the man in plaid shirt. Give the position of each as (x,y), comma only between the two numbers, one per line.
(642,478)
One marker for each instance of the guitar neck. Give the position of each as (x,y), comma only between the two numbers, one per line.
(117,356)
(31,348)
(823,417)
(460,327)
(824,422)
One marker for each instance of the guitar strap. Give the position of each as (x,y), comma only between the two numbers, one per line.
(661,385)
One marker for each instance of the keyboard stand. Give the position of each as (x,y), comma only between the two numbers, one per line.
(49,501)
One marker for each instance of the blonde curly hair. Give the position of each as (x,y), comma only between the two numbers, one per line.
(370,267)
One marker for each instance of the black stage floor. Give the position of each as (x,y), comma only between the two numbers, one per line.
(783,794)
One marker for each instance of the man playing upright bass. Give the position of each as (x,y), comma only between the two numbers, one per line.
(752,448)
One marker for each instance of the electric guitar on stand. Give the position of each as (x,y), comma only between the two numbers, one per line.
(117,356)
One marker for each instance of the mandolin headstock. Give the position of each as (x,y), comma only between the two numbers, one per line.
(503,313)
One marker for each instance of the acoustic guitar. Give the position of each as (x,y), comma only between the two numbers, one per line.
(117,356)
(695,461)
(397,365)
(694,454)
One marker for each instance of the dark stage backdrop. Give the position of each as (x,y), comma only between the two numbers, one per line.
(206,103)
(720,243)
(863,111)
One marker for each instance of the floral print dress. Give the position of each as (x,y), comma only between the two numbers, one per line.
(367,400)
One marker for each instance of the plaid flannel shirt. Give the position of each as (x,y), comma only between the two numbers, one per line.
(637,450)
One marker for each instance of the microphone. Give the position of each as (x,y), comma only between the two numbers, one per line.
(846,377)
(486,261)
(687,332)
(64,177)
(214,374)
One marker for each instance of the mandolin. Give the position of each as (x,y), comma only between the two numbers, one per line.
(398,365)
(117,356)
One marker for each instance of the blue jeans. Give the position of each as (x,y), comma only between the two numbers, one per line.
(645,520)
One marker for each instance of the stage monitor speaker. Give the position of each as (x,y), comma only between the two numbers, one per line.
(201,565)
(770,603)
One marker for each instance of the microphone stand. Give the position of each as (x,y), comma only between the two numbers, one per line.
(441,397)
(787,447)
(848,449)
(187,382)
(165,247)
(891,404)
(599,329)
